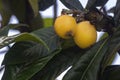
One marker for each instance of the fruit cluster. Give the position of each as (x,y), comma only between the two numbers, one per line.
(83,33)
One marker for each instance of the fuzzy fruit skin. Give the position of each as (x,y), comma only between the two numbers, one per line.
(64,25)
(85,34)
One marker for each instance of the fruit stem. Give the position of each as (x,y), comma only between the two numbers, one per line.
(102,22)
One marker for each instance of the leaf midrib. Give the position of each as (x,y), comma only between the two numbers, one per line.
(92,60)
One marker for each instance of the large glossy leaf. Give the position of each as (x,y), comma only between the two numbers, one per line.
(59,63)
(6,40)
(113,48)
(36,46)
(93,3)
(23,52)
(33,69)
(48,36)
(9,72)
(117,13)
(111,73)
(72,4)
(30,57)
(87,66)
(18,72)
(29,37)
(44,4)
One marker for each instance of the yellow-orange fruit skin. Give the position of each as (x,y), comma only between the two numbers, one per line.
(64,25)
(85,34)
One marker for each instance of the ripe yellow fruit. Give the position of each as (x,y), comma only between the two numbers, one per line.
(85,34)
(64,25)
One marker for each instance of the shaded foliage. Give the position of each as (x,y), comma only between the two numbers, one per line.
(39,54)
(95,3)
(111,73)
(72,4)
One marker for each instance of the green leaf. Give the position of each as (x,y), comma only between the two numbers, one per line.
(9,72)
(13,26)
(113,48)
(87,66)
(48,35)
(36,36)
(5,17)
(67,43)
(34,22)
(5,13)
(30,37)
(105,35)
(34,18)
(111,73)
(4,31)
(18,72)
(59,63)
(34,5)
(29,57)
(90,4)
(34,68)
(94,3)
(18,8)
(22,52)
(6,40)
(73,4)
(117,13)
(26,14)
(44,4)
(34,47)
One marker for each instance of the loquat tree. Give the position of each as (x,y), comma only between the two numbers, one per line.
(43,53)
